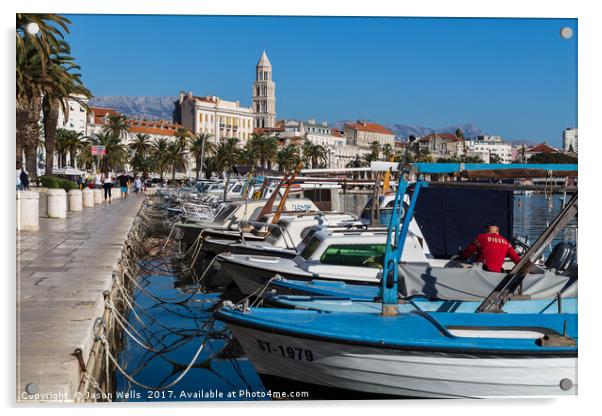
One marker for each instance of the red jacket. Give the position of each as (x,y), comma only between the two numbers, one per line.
(492,250)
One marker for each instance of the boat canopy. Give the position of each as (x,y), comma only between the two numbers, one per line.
(452,218)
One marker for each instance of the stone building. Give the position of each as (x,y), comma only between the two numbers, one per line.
(490,146)
(363,134)
(442,145)
(212,115)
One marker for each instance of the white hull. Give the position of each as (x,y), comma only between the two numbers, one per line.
(397,373)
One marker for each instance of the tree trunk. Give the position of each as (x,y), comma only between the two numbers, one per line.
(28,131)
(173,173)
(50,121)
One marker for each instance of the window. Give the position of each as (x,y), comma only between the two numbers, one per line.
(357,255)
(225,213)
(310,248)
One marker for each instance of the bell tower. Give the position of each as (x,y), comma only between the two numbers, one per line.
(264,94)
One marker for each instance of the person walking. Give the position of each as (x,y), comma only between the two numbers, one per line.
(97,181)
(123,183)
(108,185)
(24,178)
(18,177)
(137,185)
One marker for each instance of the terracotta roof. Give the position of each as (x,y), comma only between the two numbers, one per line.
(336,133)
(100,113)
(542,148)
(267,130)
(157,127)
(371,127)
(444,136)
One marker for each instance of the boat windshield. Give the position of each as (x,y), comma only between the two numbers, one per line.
(355,255)
(225,213)
(310,248)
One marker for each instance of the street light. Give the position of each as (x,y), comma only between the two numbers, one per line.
(32,28)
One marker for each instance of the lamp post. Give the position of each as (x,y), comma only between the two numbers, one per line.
(32,28)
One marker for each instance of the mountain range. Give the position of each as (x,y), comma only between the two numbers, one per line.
(154,108)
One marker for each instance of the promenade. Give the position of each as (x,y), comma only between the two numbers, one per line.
(62,271)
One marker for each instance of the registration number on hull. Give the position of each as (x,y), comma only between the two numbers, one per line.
(294,353)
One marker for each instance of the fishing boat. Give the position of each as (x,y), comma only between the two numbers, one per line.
(413,354)
(237,212)
(419,353)
(349,256)
(282,239)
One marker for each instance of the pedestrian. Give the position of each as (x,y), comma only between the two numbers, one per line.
(18,176)
(108,185)
(138,184)
(24,178)
(123,183)
(491,249)
(98,181)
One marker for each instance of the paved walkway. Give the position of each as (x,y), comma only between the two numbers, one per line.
(62,271)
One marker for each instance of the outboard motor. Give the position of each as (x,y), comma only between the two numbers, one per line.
(561,257)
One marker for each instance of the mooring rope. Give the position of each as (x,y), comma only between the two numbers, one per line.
(144,386)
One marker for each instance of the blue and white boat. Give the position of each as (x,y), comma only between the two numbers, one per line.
(418,353)
(412,354)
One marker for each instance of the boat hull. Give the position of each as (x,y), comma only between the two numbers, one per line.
(251,276)
(403,373)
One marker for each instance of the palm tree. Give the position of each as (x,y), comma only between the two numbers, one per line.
(61,85)
(84,154)
(358,162)
(314,155)
(48,36)
(117,125)
(387,151)
(375,150)
(200,146)
(116,151)
(67,142)
(62,145)
(175,158)
(182,136)
(44,82)
(287,157)
(264,148)
(140,148)
(30,88)
(227,155)
(159,152)
(141,144)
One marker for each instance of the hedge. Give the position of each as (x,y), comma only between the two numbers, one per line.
(54,182)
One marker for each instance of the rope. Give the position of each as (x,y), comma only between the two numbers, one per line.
(144,386)
(95,385)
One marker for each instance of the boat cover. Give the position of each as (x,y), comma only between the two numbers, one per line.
(451,218)
(474,283)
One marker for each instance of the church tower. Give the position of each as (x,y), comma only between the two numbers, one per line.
(264,94)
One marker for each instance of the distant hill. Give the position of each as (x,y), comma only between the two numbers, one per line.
(404,130)
(151,108)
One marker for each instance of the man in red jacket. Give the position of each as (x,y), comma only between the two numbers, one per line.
(491,249)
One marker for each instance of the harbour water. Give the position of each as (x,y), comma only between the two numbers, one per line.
(173,321)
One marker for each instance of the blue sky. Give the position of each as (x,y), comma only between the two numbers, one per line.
(512,77)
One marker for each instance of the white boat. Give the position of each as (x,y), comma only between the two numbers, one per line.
(349,256)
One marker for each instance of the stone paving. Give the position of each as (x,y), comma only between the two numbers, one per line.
(62,271)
